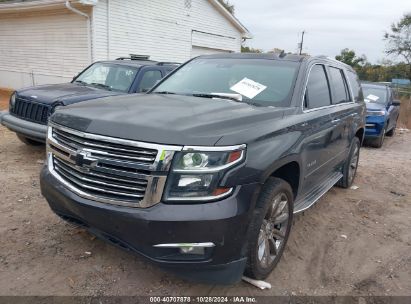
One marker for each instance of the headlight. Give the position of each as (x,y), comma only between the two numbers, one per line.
(196,174)
(376,113)
(12,102)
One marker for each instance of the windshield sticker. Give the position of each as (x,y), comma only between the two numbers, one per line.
(248,88)
(372,97)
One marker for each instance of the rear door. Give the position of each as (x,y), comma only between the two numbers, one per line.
(318,129)
(342,115)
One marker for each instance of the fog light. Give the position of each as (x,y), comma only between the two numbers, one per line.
(192,250)
(188,248)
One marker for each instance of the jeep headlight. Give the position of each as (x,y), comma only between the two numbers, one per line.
(12,102)
(376,113)
(196,175)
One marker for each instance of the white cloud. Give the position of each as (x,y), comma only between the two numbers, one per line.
(330,25)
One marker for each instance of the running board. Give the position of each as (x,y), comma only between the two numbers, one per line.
(312,197)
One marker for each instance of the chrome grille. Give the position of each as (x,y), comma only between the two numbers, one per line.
(107,169)
(105,149)
(31,110)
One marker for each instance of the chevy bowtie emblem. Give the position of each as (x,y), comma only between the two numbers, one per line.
(84,160)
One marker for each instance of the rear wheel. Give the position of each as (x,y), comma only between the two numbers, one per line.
(270,228)
(351,165)
(29,141)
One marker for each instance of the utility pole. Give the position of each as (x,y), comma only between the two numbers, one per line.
(302,42)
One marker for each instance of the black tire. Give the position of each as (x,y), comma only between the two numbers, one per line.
(28,141)
(274,190)
(378,142)
(351,164)
(391,132)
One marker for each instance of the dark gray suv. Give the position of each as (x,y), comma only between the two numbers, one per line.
(203,174)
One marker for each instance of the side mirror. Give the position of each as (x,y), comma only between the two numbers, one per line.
(396,102)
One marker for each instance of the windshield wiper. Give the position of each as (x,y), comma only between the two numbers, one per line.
(104,86)
(164,92)
(81,82)
(235,97)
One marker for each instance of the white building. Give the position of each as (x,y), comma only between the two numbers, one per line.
(49,41)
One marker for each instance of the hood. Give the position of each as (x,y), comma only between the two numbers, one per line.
(169,119)
(65,93)
(374,106)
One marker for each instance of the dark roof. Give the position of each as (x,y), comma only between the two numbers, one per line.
(272,56)
(138,63)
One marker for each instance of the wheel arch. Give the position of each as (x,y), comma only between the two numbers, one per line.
(288,169)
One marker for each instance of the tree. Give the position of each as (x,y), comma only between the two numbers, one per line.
(247,49)
(227,5)
(349,57)
(399,40)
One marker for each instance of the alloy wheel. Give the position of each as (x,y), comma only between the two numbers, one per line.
(273,230)
(352,169)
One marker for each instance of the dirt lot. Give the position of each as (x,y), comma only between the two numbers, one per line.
(4,99)
(353,242)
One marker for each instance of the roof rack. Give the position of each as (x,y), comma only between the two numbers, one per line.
(136,57)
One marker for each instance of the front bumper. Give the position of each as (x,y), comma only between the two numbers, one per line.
(374,126)
(224,223)
(29,129)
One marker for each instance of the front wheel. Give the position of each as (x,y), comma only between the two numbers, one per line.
(392,131)
(350,167)
(270,228)
(377,143)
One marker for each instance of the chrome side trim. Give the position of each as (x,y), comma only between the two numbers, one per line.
(214,148)
(184,245)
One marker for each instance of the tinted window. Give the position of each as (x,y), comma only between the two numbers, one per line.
(317,92)
(355,86)
(339,86)
(148,80)
(274,79)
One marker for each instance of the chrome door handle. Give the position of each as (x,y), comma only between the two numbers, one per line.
(335,120)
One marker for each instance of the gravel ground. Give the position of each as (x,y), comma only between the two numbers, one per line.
(352,242)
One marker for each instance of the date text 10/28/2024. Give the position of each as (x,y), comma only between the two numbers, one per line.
(199,299)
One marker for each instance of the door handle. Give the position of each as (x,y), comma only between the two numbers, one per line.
(335,121)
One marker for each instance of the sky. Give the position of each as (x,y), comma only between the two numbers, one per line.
(330,25)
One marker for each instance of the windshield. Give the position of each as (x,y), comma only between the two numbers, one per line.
(375,94)
(260,82)
(113,77)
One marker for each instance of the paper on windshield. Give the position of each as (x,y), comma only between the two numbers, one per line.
(248,88)
(372,97)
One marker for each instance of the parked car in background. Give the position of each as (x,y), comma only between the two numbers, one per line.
(207,180)
(30,108)
(382,112)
